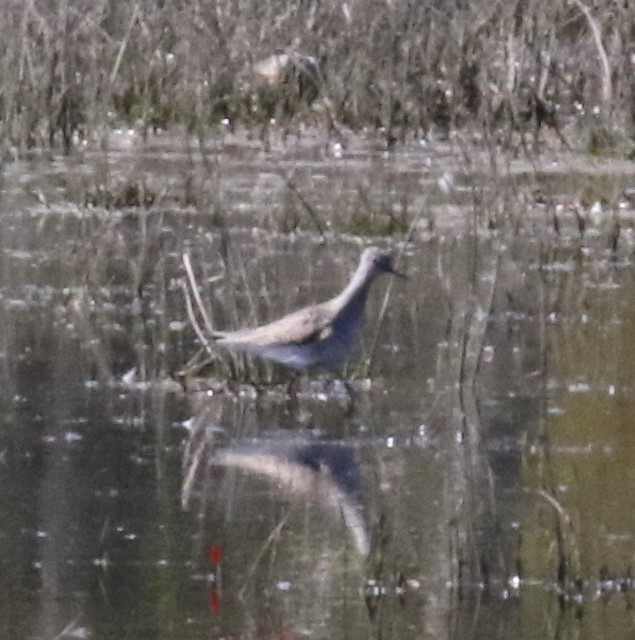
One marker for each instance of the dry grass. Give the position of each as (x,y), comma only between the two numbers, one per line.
(70,67)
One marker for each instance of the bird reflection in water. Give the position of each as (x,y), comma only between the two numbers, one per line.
(324,473)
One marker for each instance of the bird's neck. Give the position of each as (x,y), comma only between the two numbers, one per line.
(356,291)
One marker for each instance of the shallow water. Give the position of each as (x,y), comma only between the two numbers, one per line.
(487,461)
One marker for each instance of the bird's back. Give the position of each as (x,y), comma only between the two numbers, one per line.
(296,327)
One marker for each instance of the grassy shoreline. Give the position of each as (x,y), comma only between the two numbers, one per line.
(507,70)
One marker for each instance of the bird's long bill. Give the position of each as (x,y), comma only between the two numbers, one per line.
(399,274)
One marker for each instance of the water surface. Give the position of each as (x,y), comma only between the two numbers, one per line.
(486,462)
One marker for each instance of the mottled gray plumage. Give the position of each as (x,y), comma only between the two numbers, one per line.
(318,336)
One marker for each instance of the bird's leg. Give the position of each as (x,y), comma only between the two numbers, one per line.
(351,405)
(292,393)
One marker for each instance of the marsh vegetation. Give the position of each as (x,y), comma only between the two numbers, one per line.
(507,71)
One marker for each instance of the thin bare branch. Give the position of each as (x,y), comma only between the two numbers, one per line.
(196,294)
(192,317)
(607,89)
(124,44)
(291,185)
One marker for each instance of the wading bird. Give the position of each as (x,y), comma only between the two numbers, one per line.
(318,336)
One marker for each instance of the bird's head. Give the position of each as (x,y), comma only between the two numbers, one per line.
(379,262)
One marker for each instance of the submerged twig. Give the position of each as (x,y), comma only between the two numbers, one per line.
(267,543)
(71,629)
(191,468)
(568,551)
(555,503)
(474,338)
(78,306)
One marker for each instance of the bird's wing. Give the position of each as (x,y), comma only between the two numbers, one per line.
(299,327)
